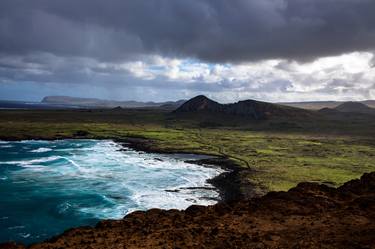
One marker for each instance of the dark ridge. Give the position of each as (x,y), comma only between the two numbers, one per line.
(118,108)
(355,107)
(318,105)
(200,104)
(252,109)
(327,110)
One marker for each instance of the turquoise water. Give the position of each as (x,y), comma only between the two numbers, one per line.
(47,187)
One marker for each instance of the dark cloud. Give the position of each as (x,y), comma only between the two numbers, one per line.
(119,48)
(372,61)
(211,30)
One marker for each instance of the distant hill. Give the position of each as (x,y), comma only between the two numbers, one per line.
(250,109)
(369,103)
(200,103)
(317,105)
(9,104)
(355,107)
(100,103)
(328,111)
(172,105)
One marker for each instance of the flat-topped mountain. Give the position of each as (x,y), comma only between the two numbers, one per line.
(100,103)
(252,109)
(355,107)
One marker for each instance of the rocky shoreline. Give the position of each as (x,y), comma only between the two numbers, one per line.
(232,184)
(307,216)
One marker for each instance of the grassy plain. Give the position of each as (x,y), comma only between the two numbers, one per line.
(280,158)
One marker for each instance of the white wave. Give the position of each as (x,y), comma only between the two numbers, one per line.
(41,150)
(75,164)
(99,168)
(32,161)
(6,146)
(176,200)
(35,167)
(32,141)
(24,235)
(64,207)
(16,227)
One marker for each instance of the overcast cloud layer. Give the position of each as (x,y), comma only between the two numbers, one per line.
(167,49)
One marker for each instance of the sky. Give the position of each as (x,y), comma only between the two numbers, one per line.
(158,50)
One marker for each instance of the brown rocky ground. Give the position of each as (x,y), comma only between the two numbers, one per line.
(308,216)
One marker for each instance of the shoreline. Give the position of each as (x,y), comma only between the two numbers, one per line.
(298,218)
(309,215)
(227,184)
(232,185)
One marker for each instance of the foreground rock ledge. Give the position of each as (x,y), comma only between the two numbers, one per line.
(307,216)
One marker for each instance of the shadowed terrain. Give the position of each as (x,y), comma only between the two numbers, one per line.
(248,109)
(316,105)
(307,216)
(355,107)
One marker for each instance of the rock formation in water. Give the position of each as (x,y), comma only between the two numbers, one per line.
(307,216)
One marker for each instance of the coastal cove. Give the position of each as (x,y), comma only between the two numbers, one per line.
(48,186)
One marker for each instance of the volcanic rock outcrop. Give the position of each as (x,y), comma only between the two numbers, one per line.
(307,216)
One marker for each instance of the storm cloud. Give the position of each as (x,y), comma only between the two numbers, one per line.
(274,50)
(210,30)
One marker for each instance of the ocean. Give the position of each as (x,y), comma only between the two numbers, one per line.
(47,187)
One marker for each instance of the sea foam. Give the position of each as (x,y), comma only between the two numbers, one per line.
(41,150)
(68,183)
